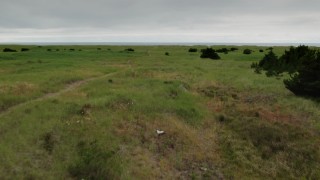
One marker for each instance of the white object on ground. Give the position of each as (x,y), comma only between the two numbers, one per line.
(159,132)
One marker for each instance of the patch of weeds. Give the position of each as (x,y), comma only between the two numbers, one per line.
(190,115)
(168,82)
(297,147)
(120,103)
(85,110)
(93,162)
(48,142)
(173,94)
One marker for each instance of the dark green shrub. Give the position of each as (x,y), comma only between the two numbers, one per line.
(193,50)
(24,49)
(209,53)
(222,50)
(261,50)
(234,49)
(9,50)
(129,49)
(306,81)
(167,54)
(247,51)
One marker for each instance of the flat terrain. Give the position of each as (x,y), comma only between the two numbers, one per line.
(91,112)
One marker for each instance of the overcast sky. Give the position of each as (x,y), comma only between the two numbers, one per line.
(228,21)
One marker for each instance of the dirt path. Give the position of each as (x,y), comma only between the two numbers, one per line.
(69,87)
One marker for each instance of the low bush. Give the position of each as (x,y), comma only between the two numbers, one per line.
(209,53)
(129,49)
(24,49)
(193,50)
(247,51)
(9,50)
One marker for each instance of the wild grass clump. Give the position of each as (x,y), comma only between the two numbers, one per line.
(93,162)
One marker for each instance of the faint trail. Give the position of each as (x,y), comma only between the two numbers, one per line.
(69,87)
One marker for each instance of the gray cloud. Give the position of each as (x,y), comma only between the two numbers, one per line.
(160,20)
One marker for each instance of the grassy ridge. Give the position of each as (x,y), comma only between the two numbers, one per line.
(220,119)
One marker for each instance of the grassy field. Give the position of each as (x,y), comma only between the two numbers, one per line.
(92,113)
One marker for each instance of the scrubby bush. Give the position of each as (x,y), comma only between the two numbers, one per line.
(129,49)
(234,49)
(247,51)
(9,50)
(98,49)
(48,49)
(306,81)
(24,49)
(209,53)
(222,50)
(167,54)
(261,50)
(71,49)
(303,66)
(193,50)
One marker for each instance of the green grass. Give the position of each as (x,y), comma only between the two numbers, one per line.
(93,114)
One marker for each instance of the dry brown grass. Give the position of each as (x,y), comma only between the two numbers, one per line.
(182,152)
(20,88)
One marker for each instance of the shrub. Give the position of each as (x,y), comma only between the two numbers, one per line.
(303,66)
(98,49)
(9,50)
(234,49)
(167,54)
(222,50)
(24,49)
(261,50)
(306,81)
(71,49)
(209,53)
(129,49)
(247,51)
(48,49)
(193,50)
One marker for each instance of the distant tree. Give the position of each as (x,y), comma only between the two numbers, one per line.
(247,51)
(9,50)
(209,53)
(261,50)
(48,49)
(71,49)
(167,54)
(193,50)
(98,49)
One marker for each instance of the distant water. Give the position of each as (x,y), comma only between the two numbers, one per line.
(162,43)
